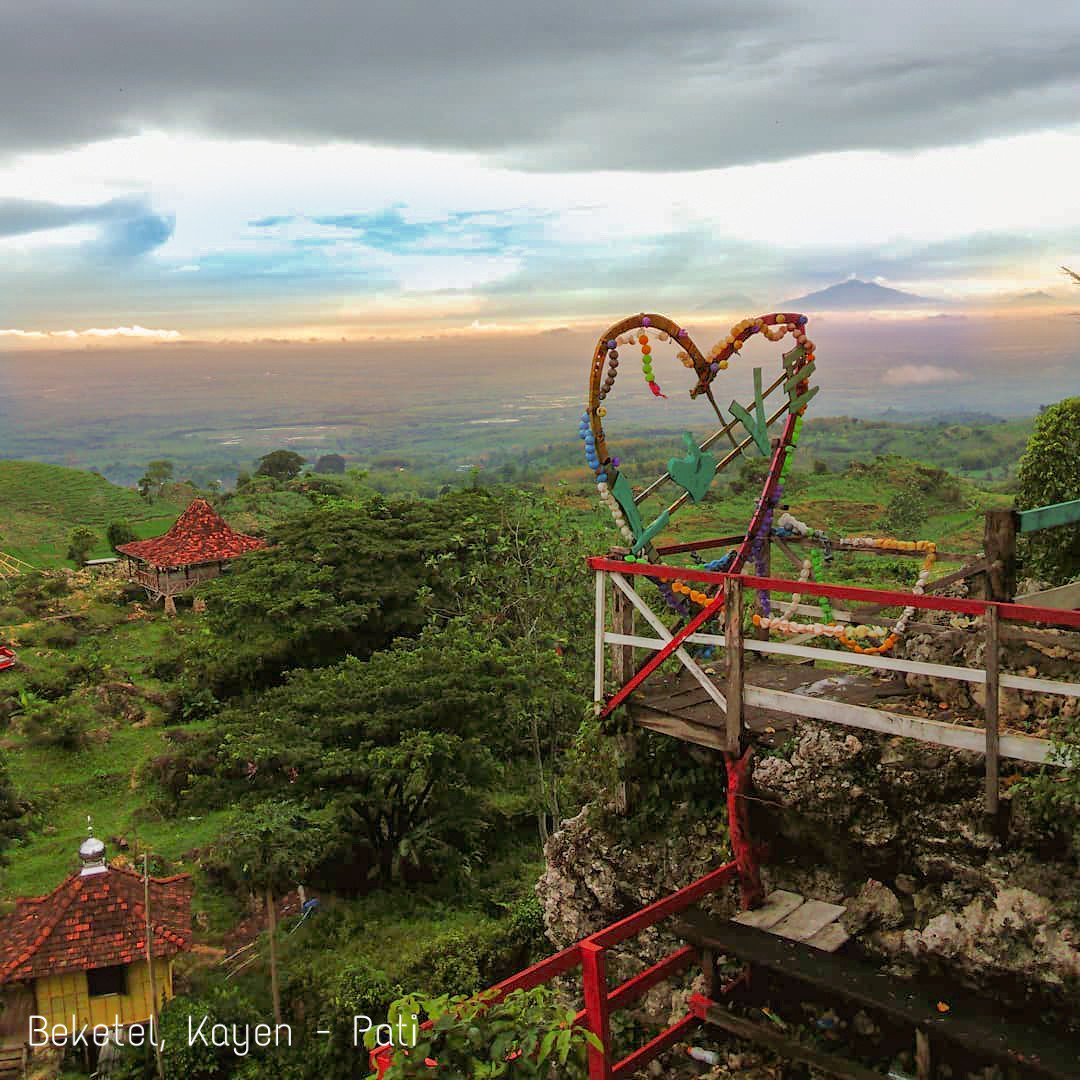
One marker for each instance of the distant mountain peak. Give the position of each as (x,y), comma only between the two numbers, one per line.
(855,295)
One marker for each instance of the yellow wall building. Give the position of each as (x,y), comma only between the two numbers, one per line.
(79,953)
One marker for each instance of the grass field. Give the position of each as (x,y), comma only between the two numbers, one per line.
(40,505)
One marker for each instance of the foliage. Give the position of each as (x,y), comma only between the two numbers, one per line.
(280,465)
(339,581)
(81,542)
(330,463)
(157,475)
(12,810)
(119,532)
(398,751)
(221,1003)
(905,513)
(1050,473)
(526,1034)
(269,846)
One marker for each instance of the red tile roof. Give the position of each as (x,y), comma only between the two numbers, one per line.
(199,536)
(94,921)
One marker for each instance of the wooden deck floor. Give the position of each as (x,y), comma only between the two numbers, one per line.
(677,705)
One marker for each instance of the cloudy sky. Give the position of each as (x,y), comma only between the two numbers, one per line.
(229,170)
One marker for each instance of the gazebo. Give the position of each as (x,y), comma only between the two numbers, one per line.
(197,548)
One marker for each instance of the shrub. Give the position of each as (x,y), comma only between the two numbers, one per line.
(62,725)
(119,532)
(58,635)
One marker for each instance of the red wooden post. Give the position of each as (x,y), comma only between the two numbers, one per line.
(738,772)
(597,1008)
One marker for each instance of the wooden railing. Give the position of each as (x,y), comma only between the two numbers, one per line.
(726,604)
(590,955)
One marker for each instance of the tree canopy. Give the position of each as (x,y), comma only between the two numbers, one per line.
(1050,473)
(280,465)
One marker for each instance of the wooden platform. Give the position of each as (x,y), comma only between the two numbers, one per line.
(789,915)
(973,1021)
(677,705)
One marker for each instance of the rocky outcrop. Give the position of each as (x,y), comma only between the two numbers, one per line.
(890,828)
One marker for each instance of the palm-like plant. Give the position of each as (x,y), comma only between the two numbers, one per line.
(1073,274)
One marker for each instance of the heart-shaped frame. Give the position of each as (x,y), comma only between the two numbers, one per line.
(691,472)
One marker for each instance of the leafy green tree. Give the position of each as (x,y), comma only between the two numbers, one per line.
(280,465)
(1049,473)
(338,581)
(330,463)
(81,541)
(398,750)
(157,475)
(119,532)
(905,513)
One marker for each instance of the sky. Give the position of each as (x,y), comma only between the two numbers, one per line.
(342,170)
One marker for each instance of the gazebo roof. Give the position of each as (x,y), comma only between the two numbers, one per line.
(200,535)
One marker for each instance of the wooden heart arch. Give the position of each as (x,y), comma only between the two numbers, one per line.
(695,472)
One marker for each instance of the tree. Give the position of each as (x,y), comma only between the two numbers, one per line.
(270,847)
(12,810)
(1049,473)
(81,542)
(280,465)
(340,580)
(330,463)
(157,475)
(119,532)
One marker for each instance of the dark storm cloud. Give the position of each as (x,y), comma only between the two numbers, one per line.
(560,84)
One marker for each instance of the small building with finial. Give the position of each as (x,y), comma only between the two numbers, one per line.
(80,951)
(197,548)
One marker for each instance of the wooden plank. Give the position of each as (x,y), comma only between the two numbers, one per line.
(1050,517)
(807,919)
(1064,597)
(990,712)
(594,979)
(598,648)
(778,905)
(760,1035)
(1019,747)
(681,729)
(829,938)
(735,659)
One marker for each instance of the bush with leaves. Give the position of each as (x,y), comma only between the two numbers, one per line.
(906,512)
(13,810)
(478,1038)
(81,542)
(119,532)
(1049,473)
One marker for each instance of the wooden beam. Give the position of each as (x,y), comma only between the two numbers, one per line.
(991,663)
(598,646)
(760,1035)
(684,657)
(1065,597)
(1020,747)
(735,659)
(1049,517)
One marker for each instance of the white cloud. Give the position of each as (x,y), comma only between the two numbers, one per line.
(920,375)
(96,332)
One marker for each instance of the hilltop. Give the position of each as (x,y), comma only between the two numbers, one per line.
(40,505)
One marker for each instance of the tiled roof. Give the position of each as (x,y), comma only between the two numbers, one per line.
(93,921)
(199,536)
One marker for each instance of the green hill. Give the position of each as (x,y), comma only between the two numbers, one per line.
(40,505)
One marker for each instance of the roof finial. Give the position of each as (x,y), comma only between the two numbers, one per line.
(92,853)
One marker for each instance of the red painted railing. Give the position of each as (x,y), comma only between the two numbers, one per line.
(600,1002)
(888,597)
